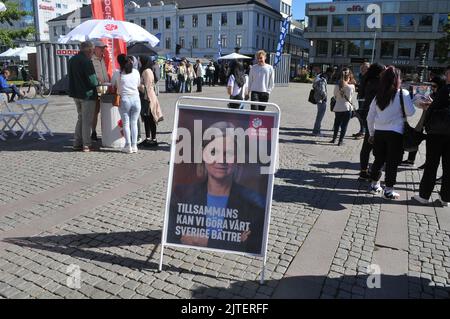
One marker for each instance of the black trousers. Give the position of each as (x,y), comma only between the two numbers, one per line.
(341,120)
(259,97)
(388,149)
(438,146)
(199,84)
(150,126)
(366,148)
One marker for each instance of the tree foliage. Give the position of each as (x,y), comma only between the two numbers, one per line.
(12,14)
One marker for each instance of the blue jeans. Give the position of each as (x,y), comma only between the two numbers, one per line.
(321,109)
(13,90)
(130,109)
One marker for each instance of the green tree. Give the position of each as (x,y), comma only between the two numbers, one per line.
(13,13)
(443,46)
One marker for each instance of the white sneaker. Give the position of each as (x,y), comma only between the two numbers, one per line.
(134,149)
(375,189)
(421,200)
(126,149)
(441,202)
(391,194)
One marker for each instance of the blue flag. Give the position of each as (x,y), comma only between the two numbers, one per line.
(219,40)
(284,31)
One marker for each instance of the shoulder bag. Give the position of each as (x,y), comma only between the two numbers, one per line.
(411,137)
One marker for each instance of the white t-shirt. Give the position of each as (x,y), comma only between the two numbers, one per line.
(235,89)
(391,118)
(127,84)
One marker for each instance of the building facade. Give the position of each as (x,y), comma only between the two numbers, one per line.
(197,26)
(409,29)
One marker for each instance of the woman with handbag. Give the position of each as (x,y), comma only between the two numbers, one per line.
(437,126)
(343,107)
(386,124)
(127,83)
(237,86)
(151,110)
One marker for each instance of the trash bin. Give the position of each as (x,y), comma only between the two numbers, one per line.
(112,133)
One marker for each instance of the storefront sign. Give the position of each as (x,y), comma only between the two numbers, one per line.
(355,8)
(401,62)
(319,9)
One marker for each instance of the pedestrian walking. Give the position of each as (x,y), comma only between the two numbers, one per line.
(261,80)
(150,108)
(437,126)
(359,114)
(386,126)
(343,93)
(182,75)
(320,96)
(127,84)
(98,60)
(237,86)
(198,75)
(368,90)
(82,88)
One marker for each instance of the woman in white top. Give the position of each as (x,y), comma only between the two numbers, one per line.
(343,93)
(237,86)
(386,126)
(182,76)
(127,84)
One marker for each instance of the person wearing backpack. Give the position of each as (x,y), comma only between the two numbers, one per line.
(437,126)
(343,93)
(386,124)
(320,96)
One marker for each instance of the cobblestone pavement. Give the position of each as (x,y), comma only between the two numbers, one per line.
(102,213)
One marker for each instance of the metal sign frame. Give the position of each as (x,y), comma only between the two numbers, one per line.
(270,185)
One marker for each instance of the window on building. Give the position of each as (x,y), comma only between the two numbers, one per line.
(181,22)
(257,19)
(155,24)
(368,47)
(209,20)
(194,42)
(338,48)
(422,47)
(387,49)
(354,22)
(239,18)
(55,31)
(443,20)
(262,43)
(257,42)
(223,41)
(224,19)
(322,21)
(404,50)
(338,21)
(194,21)
(389,21)
(322,47)
(273,45)
(181,42)
(264,22)
(406,21)
(58,5)
(209,41)
(239,40)
(143,23)
(168,43)
(354,47)
(168,23)
(426,20)
(63,29)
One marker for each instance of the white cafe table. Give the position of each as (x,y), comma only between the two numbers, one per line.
(33,110)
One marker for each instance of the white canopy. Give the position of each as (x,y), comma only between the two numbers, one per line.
(21,53)
(111,29)
(234,56)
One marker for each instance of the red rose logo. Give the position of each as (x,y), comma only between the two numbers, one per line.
(111,27)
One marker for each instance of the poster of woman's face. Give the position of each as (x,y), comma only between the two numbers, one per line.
(220,180)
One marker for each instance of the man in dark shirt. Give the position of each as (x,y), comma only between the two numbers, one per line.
(82,88)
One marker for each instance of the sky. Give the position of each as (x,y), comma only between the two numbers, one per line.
(298,7)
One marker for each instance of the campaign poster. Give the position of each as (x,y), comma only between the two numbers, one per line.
(221,180)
